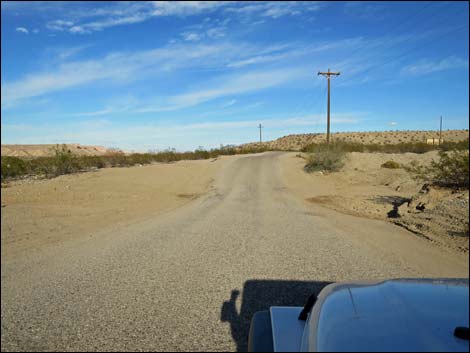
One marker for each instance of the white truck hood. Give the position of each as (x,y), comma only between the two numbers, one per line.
(395,315)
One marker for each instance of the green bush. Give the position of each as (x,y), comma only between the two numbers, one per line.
(88,162)
(459,146)
(64,161)
(43,166)
(13,167)
(325,158)
(391,165)
(451,170)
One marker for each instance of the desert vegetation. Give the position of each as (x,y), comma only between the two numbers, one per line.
(64,161)
(450,170)
(325,158)
(402,147)
(418,139)
(391,165)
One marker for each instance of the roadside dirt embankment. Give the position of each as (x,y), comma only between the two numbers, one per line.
(363,188)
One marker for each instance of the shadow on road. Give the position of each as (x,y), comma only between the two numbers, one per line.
(260,295)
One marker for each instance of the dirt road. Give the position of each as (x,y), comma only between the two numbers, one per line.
(190,279)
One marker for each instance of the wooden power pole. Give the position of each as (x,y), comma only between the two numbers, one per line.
(260,127)
(327,75)
(440,132)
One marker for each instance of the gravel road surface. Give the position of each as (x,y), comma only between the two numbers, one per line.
(190,279)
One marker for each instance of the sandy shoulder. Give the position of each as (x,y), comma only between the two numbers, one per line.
(41,212)
(362,188)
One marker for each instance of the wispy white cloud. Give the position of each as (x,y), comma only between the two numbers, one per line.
(66,53)
(207,30)
(113,66)
(22,30)
(79,30)
(276,9)
(293,50)
(114,106)
(129,66)
(117,14)
(427,66)
(186,8)
(216,32)
(235,85)
(191,36)
(229,103)
(365,10)
(59,25)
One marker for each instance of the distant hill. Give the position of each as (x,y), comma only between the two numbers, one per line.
(47,150)
(297,142)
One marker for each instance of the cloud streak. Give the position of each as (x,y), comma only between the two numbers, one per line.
(426,66)
(230,86)
(137,65)
(118,14)
(22,30)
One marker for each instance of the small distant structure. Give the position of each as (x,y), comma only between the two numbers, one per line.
(434,141)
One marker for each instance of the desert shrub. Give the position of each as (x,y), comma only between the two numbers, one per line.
(337,145)
(115,159)
(43,166)
(325,158)
(200,153)
(451,169)
(403,147)
(64,161)
(138,158)
(390,165)
(87,162)
(13,167)
(459,146)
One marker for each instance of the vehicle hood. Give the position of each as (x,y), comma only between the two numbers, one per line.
(395,315)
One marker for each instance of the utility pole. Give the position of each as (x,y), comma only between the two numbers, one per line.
(260,127)
(440,132)
(327,75)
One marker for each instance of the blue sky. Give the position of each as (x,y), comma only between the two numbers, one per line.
(153,75)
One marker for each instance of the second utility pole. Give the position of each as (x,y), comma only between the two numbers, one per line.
(328,74)
(260,127)
(440,132)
